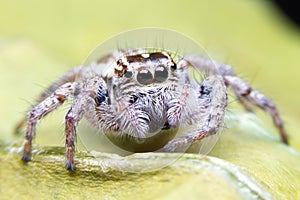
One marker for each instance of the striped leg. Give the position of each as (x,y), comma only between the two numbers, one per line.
(39,111)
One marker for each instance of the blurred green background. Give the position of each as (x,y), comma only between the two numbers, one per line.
(40,40)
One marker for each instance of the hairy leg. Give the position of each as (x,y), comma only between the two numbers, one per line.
(247,96)
(184,142)
(212,105)
(80,106)
(39,111)
(243,90)
(69,77)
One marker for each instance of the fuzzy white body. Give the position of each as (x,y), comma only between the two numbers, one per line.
(140,117)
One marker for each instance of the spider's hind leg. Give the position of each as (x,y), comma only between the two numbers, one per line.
(39,111)
(69,77)
(243,90)
(247,94)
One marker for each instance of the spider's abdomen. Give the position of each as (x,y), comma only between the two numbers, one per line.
(152,143)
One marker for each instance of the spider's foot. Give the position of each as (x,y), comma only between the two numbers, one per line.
(26,158)
(285,140)
(70,166)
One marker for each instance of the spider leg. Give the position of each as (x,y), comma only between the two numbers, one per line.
(184,142)
(69,77)
(244,90)
(79,107)
(246,94)
(211,109)
(208,65)
(39,111)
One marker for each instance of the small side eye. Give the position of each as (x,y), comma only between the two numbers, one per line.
(119,61)
(128,74)
(144,77)
(160,74)
(173,67)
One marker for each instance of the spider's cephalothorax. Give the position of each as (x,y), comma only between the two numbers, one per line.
(146,97)
(142,100)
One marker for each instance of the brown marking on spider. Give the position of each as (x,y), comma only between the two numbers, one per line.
(144,100)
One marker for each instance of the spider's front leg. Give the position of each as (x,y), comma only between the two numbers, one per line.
(211,109)
(82,103)
(39,111)
(93,94)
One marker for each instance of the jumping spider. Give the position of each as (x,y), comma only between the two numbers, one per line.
(142,97)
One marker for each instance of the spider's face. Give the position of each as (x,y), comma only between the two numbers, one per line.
(147,68)
(143,91)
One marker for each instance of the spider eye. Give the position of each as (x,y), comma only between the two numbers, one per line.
(173,67)
(161,74)
(128,74)
(144,77)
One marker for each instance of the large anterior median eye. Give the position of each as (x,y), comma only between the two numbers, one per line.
(160,74)
(144,77)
